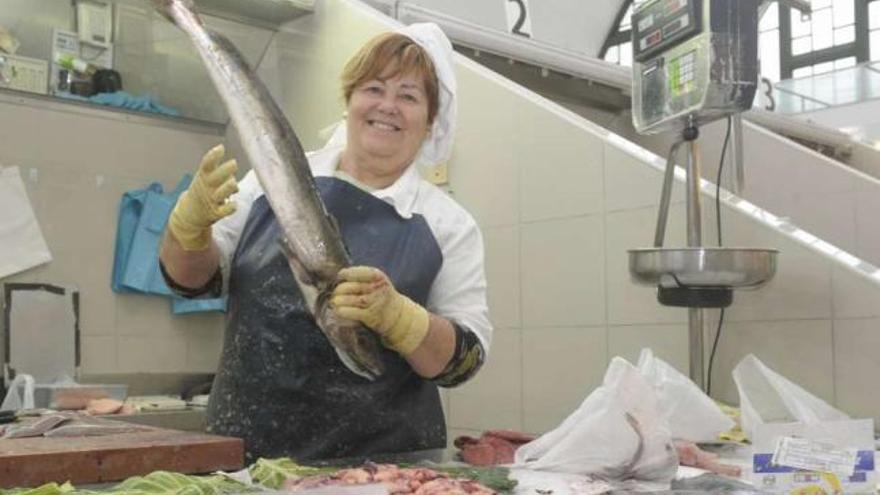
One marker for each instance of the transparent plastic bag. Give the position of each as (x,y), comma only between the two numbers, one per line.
(692,415)
(20,394)
(616,433)
(768,397)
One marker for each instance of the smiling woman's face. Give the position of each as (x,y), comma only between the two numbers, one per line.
(388,120)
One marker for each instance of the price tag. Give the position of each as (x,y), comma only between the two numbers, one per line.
(811,455)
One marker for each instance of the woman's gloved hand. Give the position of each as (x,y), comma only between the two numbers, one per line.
(365,294)
(204,202)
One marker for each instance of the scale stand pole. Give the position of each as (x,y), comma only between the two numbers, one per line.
(694,239)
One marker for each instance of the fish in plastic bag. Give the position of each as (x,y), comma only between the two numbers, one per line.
(617,433)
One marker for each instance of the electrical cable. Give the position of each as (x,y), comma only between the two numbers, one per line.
(718,179)
(720,243)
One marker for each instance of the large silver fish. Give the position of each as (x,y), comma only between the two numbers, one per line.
(312,242)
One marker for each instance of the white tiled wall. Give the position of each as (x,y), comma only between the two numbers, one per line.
(856,365)
(76,169)
(498,387)
(802,350)
(503,275)
(563,273)
(560,366)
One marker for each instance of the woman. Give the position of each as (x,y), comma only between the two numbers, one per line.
(418,282)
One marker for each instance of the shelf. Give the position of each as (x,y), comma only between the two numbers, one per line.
(53,103)
(270,13)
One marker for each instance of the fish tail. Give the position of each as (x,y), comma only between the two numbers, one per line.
(167,8)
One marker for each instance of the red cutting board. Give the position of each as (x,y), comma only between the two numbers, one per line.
(28,462)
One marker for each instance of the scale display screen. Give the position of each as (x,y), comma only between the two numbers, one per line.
(661,23)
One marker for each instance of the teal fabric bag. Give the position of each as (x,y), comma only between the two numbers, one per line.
(143,214)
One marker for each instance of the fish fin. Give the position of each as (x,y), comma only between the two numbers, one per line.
(335,224)
(304,279)
(338,231)
(354,366)
(302,275)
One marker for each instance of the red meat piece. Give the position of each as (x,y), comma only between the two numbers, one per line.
(493,447)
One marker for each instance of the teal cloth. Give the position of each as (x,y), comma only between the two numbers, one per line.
(143,214)
(122,99)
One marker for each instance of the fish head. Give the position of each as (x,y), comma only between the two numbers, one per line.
(357,346)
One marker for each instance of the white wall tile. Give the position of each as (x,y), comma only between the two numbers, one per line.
(96,313)
(90,246)
(502,275)
(854,296)
(563,272)
(484,178)
(98,354)
(801,287)
(668,342)
(812,172)
(493,398)
(631,184)
(165,353)
(868,224)
(142,315)
(856,366)
(204,342)
(799,350)
(628,302)
(561,166)
(561,367)
(484,171)
(830,216)
(762,173)
(143,151)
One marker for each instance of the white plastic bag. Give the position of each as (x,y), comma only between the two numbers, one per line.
(616,433)
(692,415)
(768,397)
(20,394)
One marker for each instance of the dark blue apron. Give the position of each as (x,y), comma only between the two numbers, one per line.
(281,386)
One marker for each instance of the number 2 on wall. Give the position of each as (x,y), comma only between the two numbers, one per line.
(518,21)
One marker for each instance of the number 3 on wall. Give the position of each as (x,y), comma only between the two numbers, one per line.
(518,21)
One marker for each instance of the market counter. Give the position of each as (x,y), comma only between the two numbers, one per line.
(191,419)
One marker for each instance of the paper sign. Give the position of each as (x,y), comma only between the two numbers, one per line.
(811,455)
(22,245)
(821,457)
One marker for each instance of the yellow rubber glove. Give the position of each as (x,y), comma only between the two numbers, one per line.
(365,294)
(204,202)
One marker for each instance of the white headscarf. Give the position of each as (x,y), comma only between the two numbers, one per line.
(437,147)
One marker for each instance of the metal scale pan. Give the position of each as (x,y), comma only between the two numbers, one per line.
(703,267)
